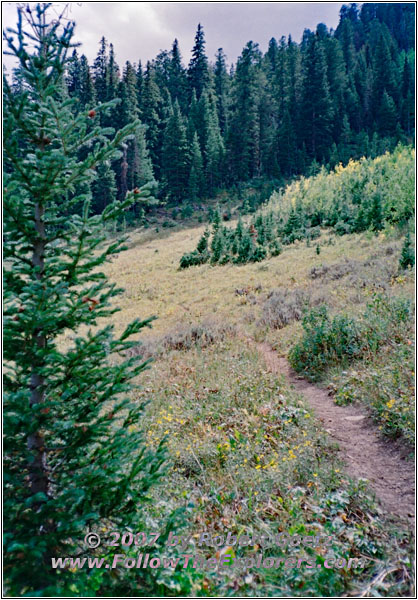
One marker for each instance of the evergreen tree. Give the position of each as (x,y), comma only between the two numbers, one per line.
(338,83)
(112,75)
(202,245)
(139,85)
(387,116)
(221,81)
(214,147)
(245,248)
(151,108)
(177,78)
(73,78)
(87,93)
(287,146)
(198,71)
(140,171)
(408,100)
(194,123)
(103,188)
(196,176)
(101,73)
(384,71)
(175,159)
(317,105)
(244,130)
(217,245)
(376,213)
(407,255)
(75,455)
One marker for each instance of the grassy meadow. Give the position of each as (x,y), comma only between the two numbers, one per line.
(246,452)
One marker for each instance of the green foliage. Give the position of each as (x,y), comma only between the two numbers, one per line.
(407,258)
(329,342)
(336,96)
(325,342)
(369,193)
(175,156)
(75,455)
(349,199)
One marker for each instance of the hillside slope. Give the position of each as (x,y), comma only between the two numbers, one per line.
(248,450)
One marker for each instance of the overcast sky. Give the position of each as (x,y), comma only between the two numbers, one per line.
(139,30)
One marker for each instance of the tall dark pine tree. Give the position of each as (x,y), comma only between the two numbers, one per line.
(196,175)
(214,147)
(222,86)
(384,75)
(113,75)
(100,71)
(87,92)
(317,110)
(151,108)
(175,157)
(198,71)
(244,127)
(408,100)
(177,78)
(73,75)
(139,84)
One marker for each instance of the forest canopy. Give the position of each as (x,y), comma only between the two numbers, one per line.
(210,126)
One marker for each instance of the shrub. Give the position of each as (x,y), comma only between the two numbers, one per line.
(332,272)
(328,342)
(259,254)
(275,248)
(342,228)
(407,258)
(284,306)
(194,258)
(184,337)
(325,342)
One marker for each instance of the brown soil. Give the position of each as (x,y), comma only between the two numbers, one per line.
(366,454)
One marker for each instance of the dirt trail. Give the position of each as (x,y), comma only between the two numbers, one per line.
(391,476)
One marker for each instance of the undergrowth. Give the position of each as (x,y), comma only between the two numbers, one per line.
(249,456)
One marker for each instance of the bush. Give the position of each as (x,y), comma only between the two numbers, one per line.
(332,272)
(325,342)
(259,254)
(407,258)
(275,248)
(184,337)
(284,306)
(342,228)
(193,259)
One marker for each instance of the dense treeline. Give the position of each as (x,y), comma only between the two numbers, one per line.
(337,95)
(369,194)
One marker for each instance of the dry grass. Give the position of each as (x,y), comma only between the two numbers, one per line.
(153,285)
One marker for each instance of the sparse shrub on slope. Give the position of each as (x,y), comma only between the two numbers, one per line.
(325,342)
(284,306)
(185,337)
(329,342)
(407,258)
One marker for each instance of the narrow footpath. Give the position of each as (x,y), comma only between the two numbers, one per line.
(366,454)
